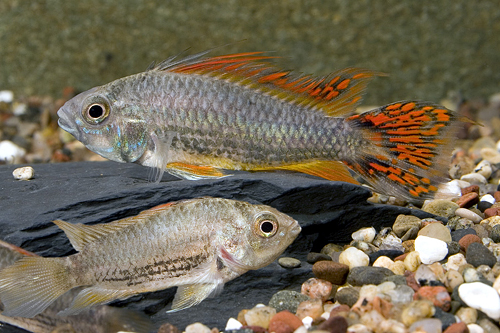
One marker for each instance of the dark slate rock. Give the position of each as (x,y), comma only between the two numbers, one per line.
(359,276)
(388,253)
(478,254)
(97,192)
(483,205)
(458,234)
(446,318)
(313,257)
(348,296)
(287,300)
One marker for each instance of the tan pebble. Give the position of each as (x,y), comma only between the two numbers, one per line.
(468,214)
(417,310)
(383,261)
(491,155)
(393,326)
(467,315)
(214,330)
(241,317)
(197,328)
(311,308)
(364,234)
(465,267)
(487,272)
(24,173)
(441,207)
(453,279)
(436,230)
(412,261)
(353,257)
(409,245)
(480,231)
(455,261)
(496,284)
(330,247)
(358,328)
(438,270)
(317,288)
(260,316)
(398,268)
(491,221)
(372,319)
(165,328)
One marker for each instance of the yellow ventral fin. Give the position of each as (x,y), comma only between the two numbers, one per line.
(194,172)
(331,170)
(80,235)
(192,294)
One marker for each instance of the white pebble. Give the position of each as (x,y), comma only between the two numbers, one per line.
(474,178)
(233,324)
(468,214)
(488,198)
(484,169)
(482,297)
(430,249)
(365,234)
(307,321)
(10,152)
(353,257)
(19,109)
(6,96)
(475,328)
(455,261)
(449,190)
(24,173)
(358,328)
(301,329)
(392,242)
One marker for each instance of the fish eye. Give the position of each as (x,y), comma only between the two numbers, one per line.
(266,225)
(96,112)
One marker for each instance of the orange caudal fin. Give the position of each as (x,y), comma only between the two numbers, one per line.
(408,148)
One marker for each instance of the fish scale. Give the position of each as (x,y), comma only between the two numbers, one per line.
(202,116)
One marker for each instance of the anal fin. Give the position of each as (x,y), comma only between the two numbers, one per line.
(92,296)
(331,170)
(194,172)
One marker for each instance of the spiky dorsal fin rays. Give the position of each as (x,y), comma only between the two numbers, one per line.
(336,94)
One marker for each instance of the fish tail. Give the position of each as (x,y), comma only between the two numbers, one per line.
(406,150)
(30,285)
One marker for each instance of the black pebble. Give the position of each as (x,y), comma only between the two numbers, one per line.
(453,248)
(359,276)
(478,254)
(446,318)
(313,257)
(495,233)
(483,205)
(458,234)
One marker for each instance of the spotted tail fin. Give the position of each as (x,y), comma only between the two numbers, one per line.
(408,148)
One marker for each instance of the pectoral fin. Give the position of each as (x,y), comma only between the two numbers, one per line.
(192,294)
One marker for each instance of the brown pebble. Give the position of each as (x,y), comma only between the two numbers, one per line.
(401,257)
(468,240)
(255,329)
(411,281)
(317,288)
(335,324)
(496,195)
(492,211)
(468,200)
(437,295)
(341,308)
(409,245)
(241,317)
(168,328)
(470,189)
(331,271)
(284,322)
(457,328)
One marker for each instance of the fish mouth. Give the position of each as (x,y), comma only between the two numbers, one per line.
(65,124)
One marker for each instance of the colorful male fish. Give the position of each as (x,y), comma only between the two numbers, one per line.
(197,245)
(197,116)
(100,319)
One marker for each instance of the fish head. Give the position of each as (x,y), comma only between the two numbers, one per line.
(105,124)
(265,235)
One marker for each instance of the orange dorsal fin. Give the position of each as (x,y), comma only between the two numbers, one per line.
(336,94)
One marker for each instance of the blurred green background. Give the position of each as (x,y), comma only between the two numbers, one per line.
(428,47)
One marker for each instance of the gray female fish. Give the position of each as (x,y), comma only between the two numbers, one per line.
(197,245)
(198,116)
